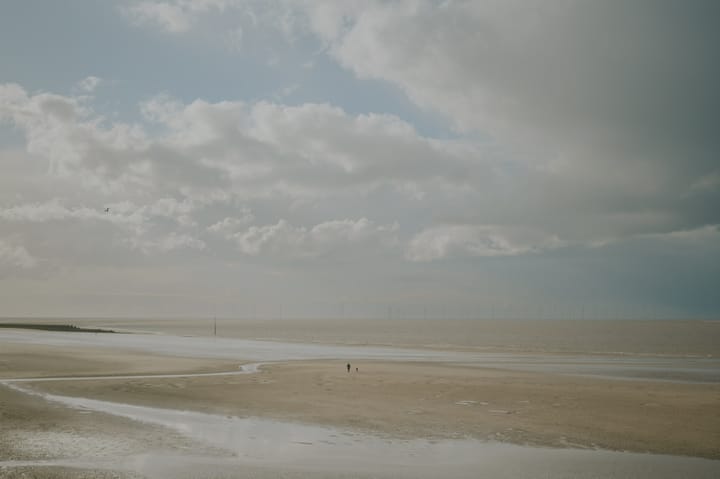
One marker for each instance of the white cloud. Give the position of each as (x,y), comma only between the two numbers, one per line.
(164,244)
(235,39)
(477,240)
(603,119)
(215,169)
(15,256)
(64,130)
(707,234)
(292,241)
(230,225)
(234,148)
(88,84)
(307,149)
(54,210)
(566,123)
(707,183)
(173,16)
(584,121)
(171,208)
(145,228)
(167,16)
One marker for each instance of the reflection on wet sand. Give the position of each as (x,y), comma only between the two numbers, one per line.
(306,449)
(504,394)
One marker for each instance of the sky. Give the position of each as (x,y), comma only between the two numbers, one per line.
(382,159)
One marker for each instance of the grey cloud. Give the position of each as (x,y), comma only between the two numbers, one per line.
(166,243)
(611,103)
(230,225)
(291,241)
(583,166)
(478,240)
(174,189)
(606,110)
(311,147)
(15,256)
(80,234)
(174,16)
(89,84)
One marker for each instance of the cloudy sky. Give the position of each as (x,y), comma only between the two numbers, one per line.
(411,158)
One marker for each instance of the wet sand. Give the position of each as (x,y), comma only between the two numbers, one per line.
(19,360)
(32,429)
(417,400)
(36,430)
(394,399)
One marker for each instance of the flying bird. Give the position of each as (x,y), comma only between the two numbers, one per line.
(107,210)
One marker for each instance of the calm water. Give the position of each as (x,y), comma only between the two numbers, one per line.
(661,337)
(664,350)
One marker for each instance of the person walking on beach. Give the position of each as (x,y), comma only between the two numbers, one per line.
(348,366)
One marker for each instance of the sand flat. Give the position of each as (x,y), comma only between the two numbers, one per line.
(419,400)
(21,360)
(396,399)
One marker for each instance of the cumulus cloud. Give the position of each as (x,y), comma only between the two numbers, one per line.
(601,128)
(576,88)
(288,240)
(196,166)
(708,234)
(160,227)
(707,183)
(229,225)
(15,256)
(552,80)
(477,240)
(165,244)
(512,129)
(174,16)
(542,66)
(166,190)
(123,213)
(588,137)
(88,84)
(211,148)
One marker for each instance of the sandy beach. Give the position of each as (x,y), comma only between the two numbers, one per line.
(398,400)
(411,400)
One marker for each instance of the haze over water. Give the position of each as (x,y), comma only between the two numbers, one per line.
(661,337)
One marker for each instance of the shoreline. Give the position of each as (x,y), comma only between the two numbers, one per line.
(68,328)
(394,400)
(410,400)
(657,338)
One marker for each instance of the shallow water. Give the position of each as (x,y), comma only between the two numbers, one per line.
(660,337)
(264,448)
(310,450)
(249,368)
(686,369)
